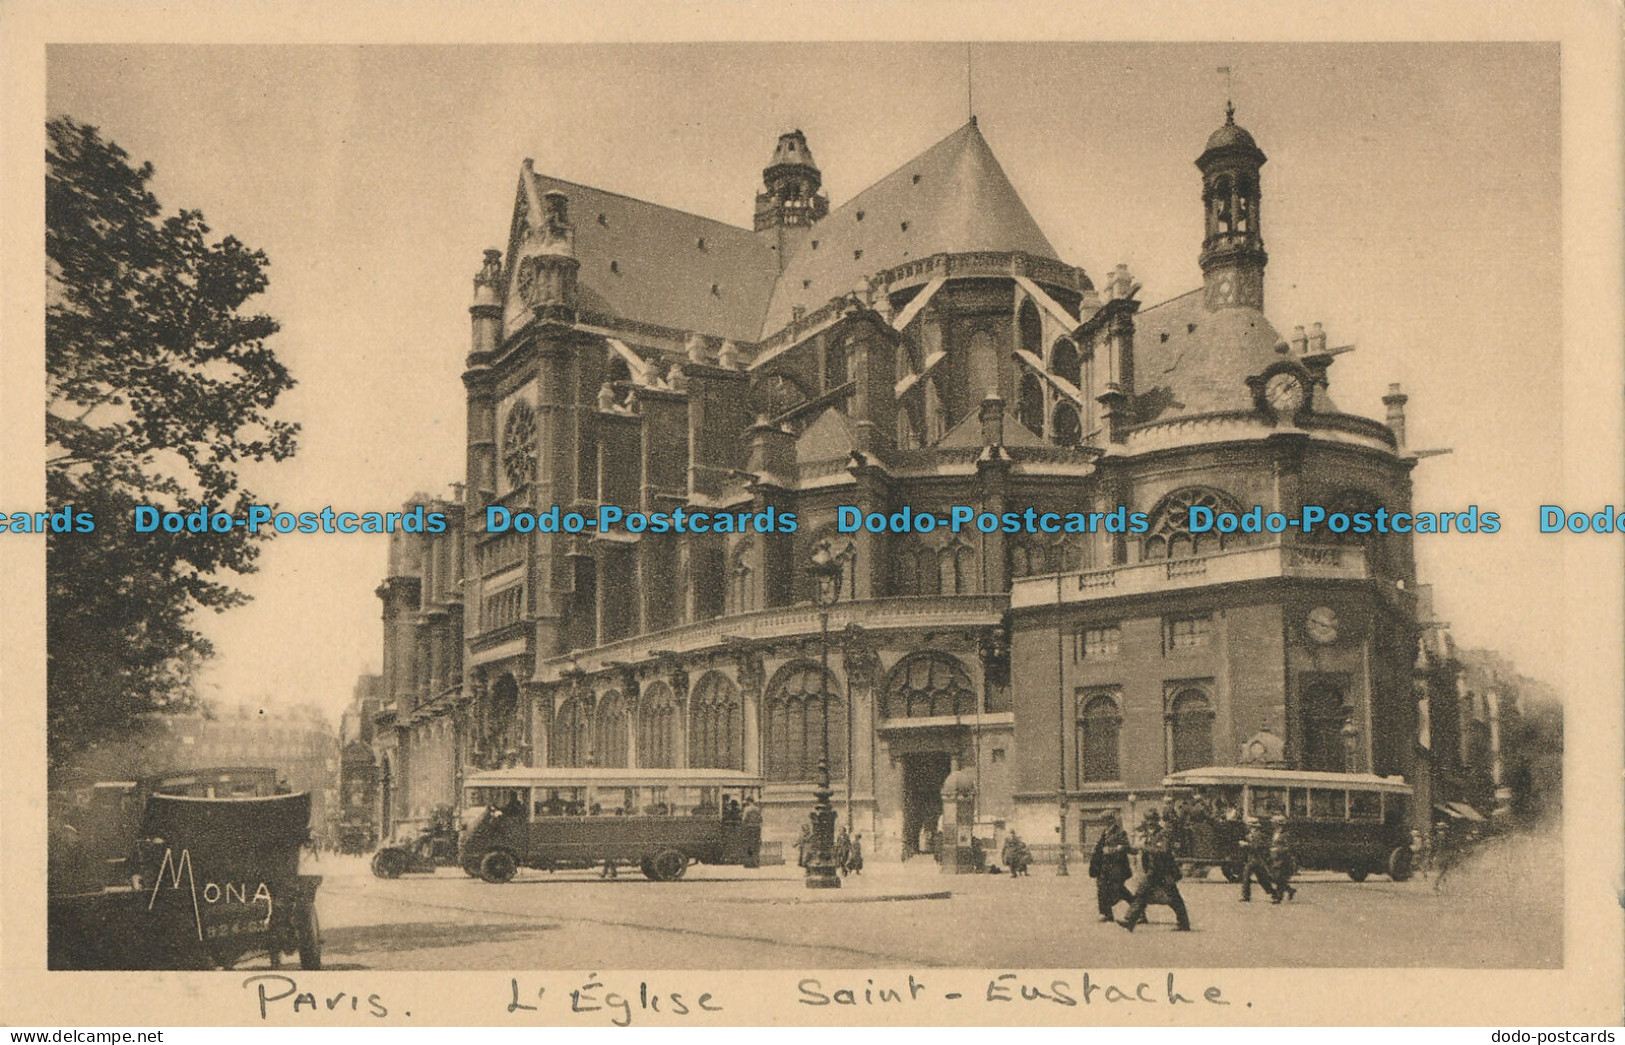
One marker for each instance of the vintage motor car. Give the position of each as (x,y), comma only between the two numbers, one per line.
(1356,823)
(435,845)
(208,882)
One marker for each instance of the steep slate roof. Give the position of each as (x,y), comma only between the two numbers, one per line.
(665,277)
(954,197)
(1189,361)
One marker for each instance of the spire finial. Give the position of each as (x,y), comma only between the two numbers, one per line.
(1229,94)
(970,87)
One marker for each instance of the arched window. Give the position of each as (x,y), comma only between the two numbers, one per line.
(1031,329)
(570,739)
(1170,536)
(1099,721)
(609,733)
(1036,555)
(957,565)
(1068,428)
(1190,727)
(795,707)
(1064,362)
(1030,403)
(1221,204)
(1323,718)
(917,568)
(658,722)
(928,684)
(715,740)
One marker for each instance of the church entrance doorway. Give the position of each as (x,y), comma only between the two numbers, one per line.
(923,775)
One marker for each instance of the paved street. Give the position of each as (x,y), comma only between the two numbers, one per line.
(1501,909)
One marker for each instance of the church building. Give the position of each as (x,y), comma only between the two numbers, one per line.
(919,347)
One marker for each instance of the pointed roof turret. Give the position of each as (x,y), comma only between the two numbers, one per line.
(792,151)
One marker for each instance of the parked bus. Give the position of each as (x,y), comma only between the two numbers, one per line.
(662,820)
(1356,823)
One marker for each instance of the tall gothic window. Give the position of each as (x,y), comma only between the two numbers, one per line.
(714,738)
(1031,329)
(957,565)
(1064,362)
(570,740)
(1190,727)
(917,569)
(795,706)
(659,720)
(1099,721)
(609,732)
(928,684)
(1170,536)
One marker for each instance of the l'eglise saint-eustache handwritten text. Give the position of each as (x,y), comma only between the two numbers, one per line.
(602,1000)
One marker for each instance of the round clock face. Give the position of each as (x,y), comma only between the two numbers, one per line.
(1284,393)
(1322,624)
(519,444)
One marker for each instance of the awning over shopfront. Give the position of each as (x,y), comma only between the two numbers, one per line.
(1459,810)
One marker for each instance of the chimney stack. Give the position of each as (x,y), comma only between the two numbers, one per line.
(1395,402)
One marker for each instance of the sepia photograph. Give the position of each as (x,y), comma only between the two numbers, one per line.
(879,530)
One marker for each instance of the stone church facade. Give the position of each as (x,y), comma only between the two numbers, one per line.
(921,347)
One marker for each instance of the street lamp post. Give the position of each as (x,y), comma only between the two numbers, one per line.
(826,569)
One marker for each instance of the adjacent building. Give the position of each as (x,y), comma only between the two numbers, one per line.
(917,348)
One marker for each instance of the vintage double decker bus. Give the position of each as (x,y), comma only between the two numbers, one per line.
(661,820)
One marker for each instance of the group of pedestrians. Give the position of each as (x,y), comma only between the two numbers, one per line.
(1266,853)
(847,854)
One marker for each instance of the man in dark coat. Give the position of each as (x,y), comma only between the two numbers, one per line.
(1109,867)
(1255,854)
(1161,882)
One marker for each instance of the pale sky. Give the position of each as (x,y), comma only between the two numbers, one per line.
(1411,204)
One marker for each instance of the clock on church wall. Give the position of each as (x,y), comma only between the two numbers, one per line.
(519,444)
(1322,625)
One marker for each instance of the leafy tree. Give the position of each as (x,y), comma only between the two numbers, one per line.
(158,387)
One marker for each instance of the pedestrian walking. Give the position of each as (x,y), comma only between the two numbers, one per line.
(1109,867)
(843,851)
(1282,864)
(1255,851)
(854,859)
(1161,881)
(804,844)
(1016,855)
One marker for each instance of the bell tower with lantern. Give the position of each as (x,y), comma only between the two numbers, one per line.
(1233,257)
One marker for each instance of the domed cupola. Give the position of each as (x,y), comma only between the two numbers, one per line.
(1233,257)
